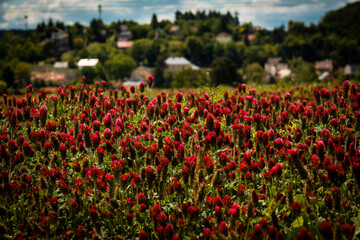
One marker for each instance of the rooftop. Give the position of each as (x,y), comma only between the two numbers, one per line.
(88,62)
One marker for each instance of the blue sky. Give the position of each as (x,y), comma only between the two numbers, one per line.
(264,13)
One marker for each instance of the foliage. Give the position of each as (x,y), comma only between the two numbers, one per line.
(22,74)
(120,66)
(188,78)
(254,73)
(3,87)
(304,72)
(224,71)
(89,73)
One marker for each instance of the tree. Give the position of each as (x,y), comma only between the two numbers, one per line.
(101,72)
(140,49)
(187,78)
(154,22)
(159,71)
(101,51)
(224,71)
(22,74)
(254,73)
(140,31)
(304,72)
(194,49)
(89,73)
(120,66)
(8,75)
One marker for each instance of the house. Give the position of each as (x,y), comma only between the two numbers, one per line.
(125,33)
(60,39)
(159,33)
(139,75)
(351,69)
(87,62)
(285,72)
(176,30)
(177,64)
(326,76)
(48,77)
(274,65)
(124,44)
(323,66)
(223,38)
(61,65)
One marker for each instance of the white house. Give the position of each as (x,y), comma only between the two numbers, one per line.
(87,62)
(177,64)
(274,65)
(351,69)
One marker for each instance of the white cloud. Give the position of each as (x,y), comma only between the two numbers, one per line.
(196,5)
(63,10)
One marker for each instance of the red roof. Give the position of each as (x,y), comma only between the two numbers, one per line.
(223,34)
(326,64)
(124,44)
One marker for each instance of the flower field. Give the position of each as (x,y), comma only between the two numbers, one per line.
(89,162)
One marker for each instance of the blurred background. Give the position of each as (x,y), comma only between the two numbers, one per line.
(52,43)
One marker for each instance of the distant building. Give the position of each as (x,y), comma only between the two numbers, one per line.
(49,77)
(223,37)
(323,66)
(124,44)
(351,69)
(159,33)
(125,33)
(326,76)
(61,40)
(139,75)
(274,65)
(61,65)
(87,62)
(176,30)
(285,72)
(177,64)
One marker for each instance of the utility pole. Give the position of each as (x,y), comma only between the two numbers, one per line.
(26,24)
(99,11)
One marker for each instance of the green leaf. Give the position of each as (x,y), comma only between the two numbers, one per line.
(356,221)
(272,190)
(298,223)
(298,197)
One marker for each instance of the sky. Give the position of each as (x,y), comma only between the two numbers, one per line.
(264,13)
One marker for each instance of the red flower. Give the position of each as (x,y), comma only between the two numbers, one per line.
(28,151)
(223,228)
(150,80)
(129,218)
(326,230)
(161,218)
(62,150)
(285,117)
(142,235)
(257,231)
(107,134)
(179,97)
(43,115)
(141,197)
(169,231)
(304,234)
(207,234)
(296,207)
(223,159)
(348,230)
(81,232)
(142,87)
(108,120)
